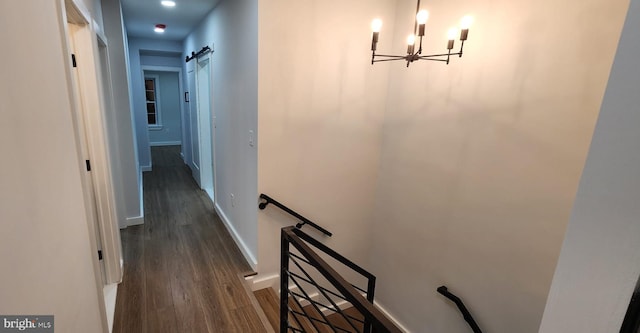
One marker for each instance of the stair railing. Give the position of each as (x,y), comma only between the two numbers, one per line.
(463,309)
(306,266)
(292,315)
(303,220)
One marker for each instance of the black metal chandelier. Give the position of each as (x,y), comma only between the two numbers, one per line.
(418,32)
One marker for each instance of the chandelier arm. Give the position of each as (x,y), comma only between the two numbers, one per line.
(461,47)
(433,59)
(437,55)
(391,56)
(390,60)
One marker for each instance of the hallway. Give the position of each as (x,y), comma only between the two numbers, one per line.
(182,269)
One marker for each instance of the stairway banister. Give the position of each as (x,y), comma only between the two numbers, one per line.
(303,220)
(363,305)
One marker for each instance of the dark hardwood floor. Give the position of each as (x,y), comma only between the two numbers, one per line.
(181,268)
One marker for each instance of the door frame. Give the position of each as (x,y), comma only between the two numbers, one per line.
(81,34)
(170,69)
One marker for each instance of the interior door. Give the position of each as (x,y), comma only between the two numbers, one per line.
(205,129)
(81,123)
(92,125)
(193,122)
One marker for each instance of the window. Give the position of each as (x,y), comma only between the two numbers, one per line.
(153,107)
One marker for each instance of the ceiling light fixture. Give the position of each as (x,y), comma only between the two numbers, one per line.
(159,28)
(418,32)
(168,3)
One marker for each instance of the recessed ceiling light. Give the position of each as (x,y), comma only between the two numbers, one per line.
(159,28)
(168,3)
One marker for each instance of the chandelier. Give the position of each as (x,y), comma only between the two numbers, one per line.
(418,33)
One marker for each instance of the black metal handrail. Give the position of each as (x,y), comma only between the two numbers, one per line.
(374,319)
(465,313)
(303,220)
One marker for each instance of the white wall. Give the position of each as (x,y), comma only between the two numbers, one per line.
(137,91)
(165,61)
(126,174)
(321,106)
(600,259)
(481,159)
(45,252)
(233,27)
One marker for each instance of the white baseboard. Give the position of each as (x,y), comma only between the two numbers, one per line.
(270,281)
(145,168)
(342,304)
(165,143)
(236,237)
(138,220)
(391,317)
(273,281)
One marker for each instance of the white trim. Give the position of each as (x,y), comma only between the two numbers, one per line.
(156,95)
(236,237)
(165,143)
(391,317)
(140,187)
(257,283)
(146,168)
(99,30)
(78,7)
(342,304)
(110,292)
(137,220)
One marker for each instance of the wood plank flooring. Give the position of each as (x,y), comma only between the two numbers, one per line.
(181,268)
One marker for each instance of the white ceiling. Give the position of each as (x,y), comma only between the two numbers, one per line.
(140,16)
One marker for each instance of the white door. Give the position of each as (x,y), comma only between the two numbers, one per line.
(193,122)
(205,125)
(91,122)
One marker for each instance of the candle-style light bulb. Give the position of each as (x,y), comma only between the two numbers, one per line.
(452,33)
(422,18)
(411,41)
(451,36)
(376,25)
(465,24)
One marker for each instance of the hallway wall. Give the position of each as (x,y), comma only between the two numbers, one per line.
(232,28)
(126,172)
(481,159)
(600,259)
(46,255)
